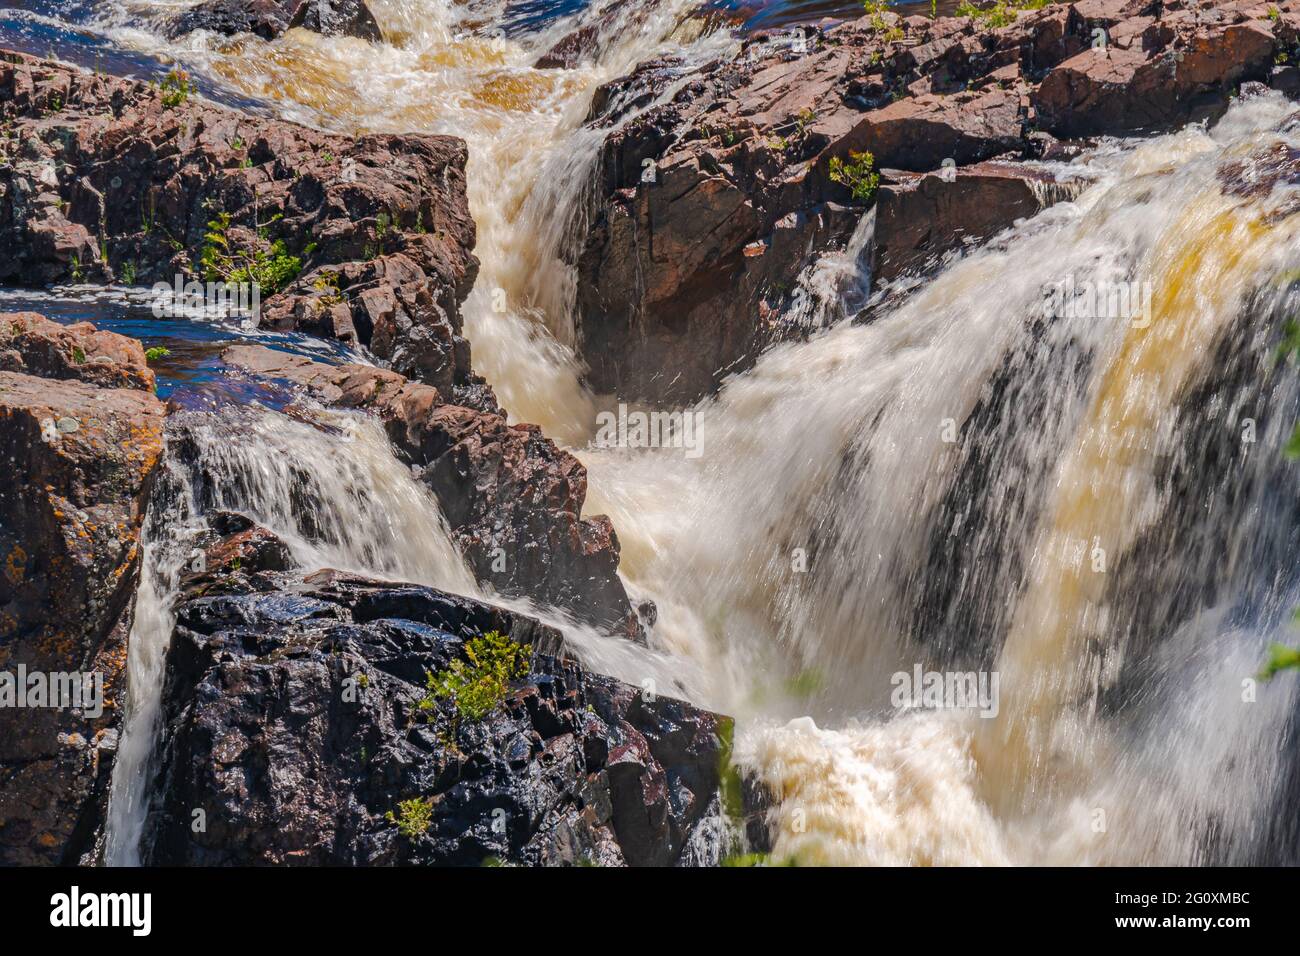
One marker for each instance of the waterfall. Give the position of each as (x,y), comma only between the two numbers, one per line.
(969,418)
(980,479)
(333,492)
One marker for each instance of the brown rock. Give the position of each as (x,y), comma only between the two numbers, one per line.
(31,343)
(69,556)
(114,182)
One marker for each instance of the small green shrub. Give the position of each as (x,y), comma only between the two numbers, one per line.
(1002,13)
(176,88)
(221,260)
(876,10)
(856,174)
(478,685)
(413,817)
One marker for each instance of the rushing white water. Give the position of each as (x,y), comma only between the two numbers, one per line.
(335,495)
(931,488)
(838,447)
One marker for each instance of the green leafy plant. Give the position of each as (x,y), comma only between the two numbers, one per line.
(155,353)
(79,355)
(176,88)
(755,859)
(128,273)
(413,817)
(856,174)
(223,260)
(1002,13)
(876,10)
(479,683)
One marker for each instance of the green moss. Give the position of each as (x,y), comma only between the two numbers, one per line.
(155,353)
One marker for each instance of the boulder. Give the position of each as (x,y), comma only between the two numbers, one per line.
(82,430)
(921,217)
(709,204)
(298,731)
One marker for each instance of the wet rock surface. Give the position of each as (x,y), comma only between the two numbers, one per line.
(512,498)
(80,437)
(709,204)
(295,732)
(365,241)
(270,18)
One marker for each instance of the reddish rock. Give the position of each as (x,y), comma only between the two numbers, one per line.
(919,217)
(1144,86)
(31,343)
(69,557)
(707,207)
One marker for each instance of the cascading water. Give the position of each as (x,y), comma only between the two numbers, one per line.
(965,482)
(334,493)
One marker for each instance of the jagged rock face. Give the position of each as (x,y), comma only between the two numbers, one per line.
(105,182)
(707,208)
(81,434)
(292,723)
(920,217)
(512,499)
(270,18)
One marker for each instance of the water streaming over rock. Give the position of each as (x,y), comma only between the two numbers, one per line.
(968,481)
(333,492)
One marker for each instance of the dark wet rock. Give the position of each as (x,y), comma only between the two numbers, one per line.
(707,205)
(104,182)
(84,452)
(294,730)
(270,18)
(512,498)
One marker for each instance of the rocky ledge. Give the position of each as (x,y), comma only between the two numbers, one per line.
(740,174)
(300,729)
(81,435)
(512,499)
(366,241)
